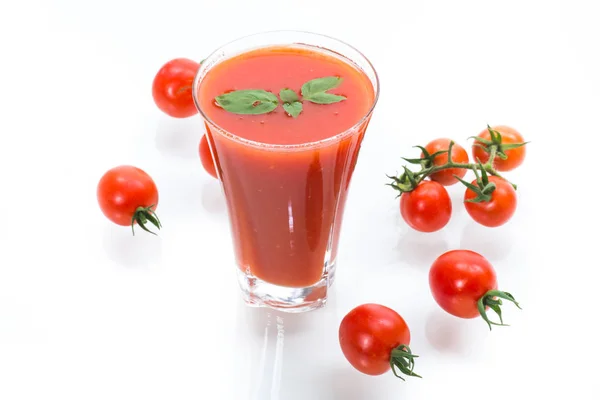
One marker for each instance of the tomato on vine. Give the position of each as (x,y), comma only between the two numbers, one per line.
(491,208)
(490,199)
(436,152)
(427,208)
(463,283)
(172,88)
(505,142)
(127,195)
(375,339)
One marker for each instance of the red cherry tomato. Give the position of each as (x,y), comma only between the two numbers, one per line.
(458,279)
(498,210)
(172,88)
(427,208)
(375,338)
(128,195)
(515,157)
(459,156)
(206,157)
(463,283)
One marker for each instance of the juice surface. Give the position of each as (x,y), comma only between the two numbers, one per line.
(273,69)
(285,206)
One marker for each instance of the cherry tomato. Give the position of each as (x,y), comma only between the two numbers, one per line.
(128,195)
(464,284)
(509,135)
(459,156)
(458,279)
(206,157)
(172,88)
(498,210)
(427,208)
(375,338)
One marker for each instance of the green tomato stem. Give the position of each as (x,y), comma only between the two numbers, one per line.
(143,215)
(493,150)
(402,360)
(424,173)
(492,299)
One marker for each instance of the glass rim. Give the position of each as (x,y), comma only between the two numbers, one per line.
(317,143)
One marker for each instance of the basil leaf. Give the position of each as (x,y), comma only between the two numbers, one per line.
(315,90)
(249,101)
(288,96)
(324,98)
(320,85)
(293,109)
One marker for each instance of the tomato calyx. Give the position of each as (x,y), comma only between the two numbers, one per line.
(404,183)
(493,300)
(409,180)
(484,187)
(402,360)
(142,215)
(426,161)
(494,147)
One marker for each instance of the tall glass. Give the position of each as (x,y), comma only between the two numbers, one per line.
(286,202)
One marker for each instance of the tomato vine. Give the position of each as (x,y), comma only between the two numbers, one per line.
(408,180)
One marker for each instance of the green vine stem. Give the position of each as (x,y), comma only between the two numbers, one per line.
(409,180)
(402,360)
(488,168)
(493,153)
(483,188)
(492,299)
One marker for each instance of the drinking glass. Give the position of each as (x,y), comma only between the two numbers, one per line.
(285,202)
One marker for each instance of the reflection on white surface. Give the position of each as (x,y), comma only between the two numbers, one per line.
(270,363)
(261,347)
(263,357)
(143,252)
(179,138)
(420,249)
(213,199)
(278,364)
(449,334)
(495,244)
(285,355)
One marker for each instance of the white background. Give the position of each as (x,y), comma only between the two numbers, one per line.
(89,312)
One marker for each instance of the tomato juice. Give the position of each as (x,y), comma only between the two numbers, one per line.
(286,179)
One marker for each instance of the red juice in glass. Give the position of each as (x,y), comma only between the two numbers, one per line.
(285,122)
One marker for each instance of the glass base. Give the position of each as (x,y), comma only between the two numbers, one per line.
(258,293)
